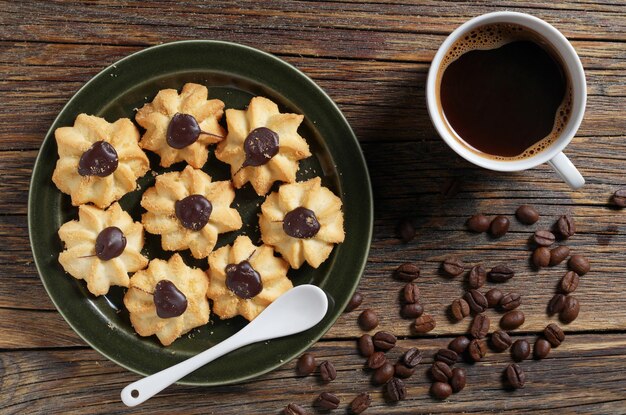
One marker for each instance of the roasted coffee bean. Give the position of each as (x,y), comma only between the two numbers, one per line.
(366,345)
(412,357)
(453,267)
(459,309)
(384,341)
(480,326)
(446,356)
(527,214)
(440,390)
(306,364)
(619,198)
(360,403)
(477,276)
(476,301)
(411,293)
(440,371)
(520,350)
(405,230)
(477,349)
(500,273)
(328,373)
(376,360)
(558,255)
(566,226)
(515,376)
(424,323)
(383,374)
(402,371)
(542,348)
(355,301)
(396,391)
(579,264)
(512,320)
(569,282)
(458,379)
(510,301)
(541,257)
(543,238)
(493,297)
(570,311)
(327,401)
(554,334)
(412,310)
(499,226)
(293,409)
(368,320)
(407,272)
(478,223)
(459,344)
(556,304)
(500,340)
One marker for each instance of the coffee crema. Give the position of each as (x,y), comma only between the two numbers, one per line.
(504,92)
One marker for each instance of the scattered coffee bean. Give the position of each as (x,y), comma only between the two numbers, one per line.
(360,403)
(459,309)
(558,255)
(396,391)
(499,226)
(327,401)
(512,320)
(478,223)
(458,379)
(459,344)
(366,345)
(405,230)
(376,360)
(355,301)
(566,226)
(542,348)
(306,364)
(446,356)
(477,349)
(554,334)
(293,409)
(520,350)
(493,297)
(441,390)
(412,357)
(411,293)
(510,301)
(453,267)
(480,326)
(579,264)
(541,257)
(383,374)
(571,308)
(515,376)
(477,276)
(527,214)
(368,320)
(403,372)
(440,371)
(424,323)
(384,340)
(556,304)
(569,282)
(500,273)
(543,238)
(500,340)
(476,301)
(407,272)
(328,373)
(619,198)
(412,310)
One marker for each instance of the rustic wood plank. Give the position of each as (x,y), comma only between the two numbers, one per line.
(46,329)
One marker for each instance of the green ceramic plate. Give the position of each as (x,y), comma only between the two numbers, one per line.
(233,73)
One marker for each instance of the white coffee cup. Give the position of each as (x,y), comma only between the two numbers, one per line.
(553,155)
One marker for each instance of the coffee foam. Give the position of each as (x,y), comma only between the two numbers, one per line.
(494,36)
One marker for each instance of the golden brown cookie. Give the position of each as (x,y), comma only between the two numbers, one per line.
(302,221)
(167,299)
(179,127)
(189,211)
(262,145)
(244,279)
(102,247)
(99,162)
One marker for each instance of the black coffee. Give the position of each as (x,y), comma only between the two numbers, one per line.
(504,92)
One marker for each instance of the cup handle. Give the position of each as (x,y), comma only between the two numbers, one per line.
(568,172)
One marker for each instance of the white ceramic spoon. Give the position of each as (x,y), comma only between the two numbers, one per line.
(297,310)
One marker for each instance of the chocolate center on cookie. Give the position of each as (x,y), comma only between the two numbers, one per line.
(193,212)
(100,160)
(168,299)
(301,223)
(182,131)
(260,146)
(243,280)
(110,243)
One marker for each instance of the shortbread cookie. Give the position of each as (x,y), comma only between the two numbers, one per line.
(99,162)
(189,211)
(167,299)
(262,145)
(244,279)
(302,221)
(179,127)
(102,247)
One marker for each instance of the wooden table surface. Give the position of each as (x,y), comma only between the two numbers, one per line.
(371,57)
